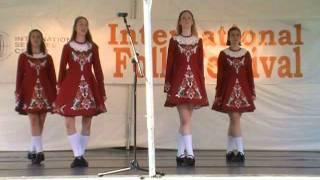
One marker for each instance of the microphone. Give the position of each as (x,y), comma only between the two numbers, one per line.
(122,14)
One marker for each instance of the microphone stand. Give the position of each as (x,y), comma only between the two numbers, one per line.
(133,164)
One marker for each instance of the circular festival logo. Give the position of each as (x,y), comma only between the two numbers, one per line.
(4,46)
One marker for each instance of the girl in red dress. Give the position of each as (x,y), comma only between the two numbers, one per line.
(235,90)
(184,81)
(80,92)
(35,90)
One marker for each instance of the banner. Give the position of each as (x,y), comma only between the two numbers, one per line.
(280,50)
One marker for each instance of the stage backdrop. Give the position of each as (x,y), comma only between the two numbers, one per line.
(282,36)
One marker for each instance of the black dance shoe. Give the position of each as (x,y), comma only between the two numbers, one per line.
(79,162)
(31,155)
(240,157)
(84,162)
(190,161)
(180,160)
(39,157)
(230,156)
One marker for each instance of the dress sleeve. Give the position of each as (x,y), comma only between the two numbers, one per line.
(250,74)
(219,75)
(169,68)
(201,59)
(63,65)
(52,74)
(19,78)
(98,70)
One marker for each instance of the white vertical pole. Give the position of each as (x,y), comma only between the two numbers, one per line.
(147,4)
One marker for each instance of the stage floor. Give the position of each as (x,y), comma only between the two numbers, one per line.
(258,163)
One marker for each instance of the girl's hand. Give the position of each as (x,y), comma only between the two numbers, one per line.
(58,89)
(217,100)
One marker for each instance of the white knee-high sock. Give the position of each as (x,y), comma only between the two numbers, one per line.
(83,142)
(38,143)
(33,144)
(181,145)
(239,143)
(188,142)
(231,144)
(74,141)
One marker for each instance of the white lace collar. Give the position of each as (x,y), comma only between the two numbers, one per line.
(192,40)
(36,56)
(235,54)
(81,47)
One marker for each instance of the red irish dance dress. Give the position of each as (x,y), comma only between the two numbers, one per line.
(35,84)
(80,92)
(235,84)
(184,81)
